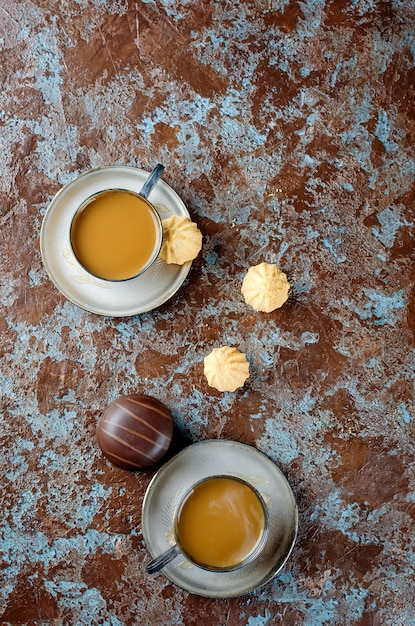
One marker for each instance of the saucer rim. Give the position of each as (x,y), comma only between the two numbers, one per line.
(68,290)
(170,572)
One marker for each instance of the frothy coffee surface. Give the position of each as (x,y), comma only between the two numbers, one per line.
(220,523)
(115,235)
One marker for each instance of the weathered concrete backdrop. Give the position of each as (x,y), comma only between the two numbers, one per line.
(287,128)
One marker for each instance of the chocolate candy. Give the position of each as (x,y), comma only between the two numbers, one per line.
(135,431)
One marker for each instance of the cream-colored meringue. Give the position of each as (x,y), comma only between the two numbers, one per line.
(265,287)
(226,368)
(182,240)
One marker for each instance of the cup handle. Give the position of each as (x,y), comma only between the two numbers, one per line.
(151,180)
(156,564)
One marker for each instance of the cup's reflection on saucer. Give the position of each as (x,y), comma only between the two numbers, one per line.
(220,525)
(116,234)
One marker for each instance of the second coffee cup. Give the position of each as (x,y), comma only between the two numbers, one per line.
(221,525)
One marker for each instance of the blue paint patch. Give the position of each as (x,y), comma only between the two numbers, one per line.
(383,131)
(126,332)
(349,519)
(23,33)
(17,547)
(170,7)
(216,40)
(231,104)
(404,413)
(380,308)
(71,595)
(311,233)
(87,509)
(305,71)
(260,620)
(57,426)
(36,277)
(268,358)
(195,418)
(396,176)
(383,306)
(282,443)
(307,402)
(383,49)
(190,112)
(338,258)
(211,258)
(280,440)
(318,607)
(6,385)
(48,80)
(390,222)
(20,468)
(312,12)
(356,139)
(308,337)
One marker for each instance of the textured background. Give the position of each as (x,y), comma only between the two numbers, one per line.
(287,128)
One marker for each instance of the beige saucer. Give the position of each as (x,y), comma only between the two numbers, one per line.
(118,299)
(199,461)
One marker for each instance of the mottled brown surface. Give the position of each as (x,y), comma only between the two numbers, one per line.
(287,128)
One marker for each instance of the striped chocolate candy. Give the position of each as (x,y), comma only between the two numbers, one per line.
(135,431)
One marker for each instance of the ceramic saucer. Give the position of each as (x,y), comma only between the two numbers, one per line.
(202,460)
(119,299)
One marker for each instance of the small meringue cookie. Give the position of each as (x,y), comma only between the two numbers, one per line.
(265,287)
(226,368)
(182,240)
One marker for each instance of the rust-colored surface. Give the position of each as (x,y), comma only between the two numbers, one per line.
(287,129)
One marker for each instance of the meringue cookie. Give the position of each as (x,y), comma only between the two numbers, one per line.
(226,368)
(265,287)
(182,240)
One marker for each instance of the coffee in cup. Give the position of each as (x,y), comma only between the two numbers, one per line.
(116,234)
(221,523)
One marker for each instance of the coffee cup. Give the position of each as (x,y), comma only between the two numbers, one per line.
(220,525)
(116,234)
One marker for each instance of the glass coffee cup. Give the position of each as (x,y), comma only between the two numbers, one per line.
(220,525)
(116,234)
